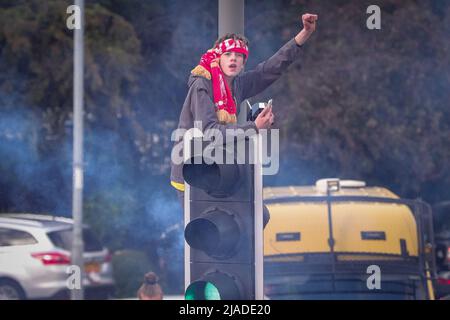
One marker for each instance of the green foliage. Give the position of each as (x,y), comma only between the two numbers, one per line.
(110,213)
(37,48)
(369,104)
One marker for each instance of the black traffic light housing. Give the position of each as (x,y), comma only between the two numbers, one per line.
(220,228)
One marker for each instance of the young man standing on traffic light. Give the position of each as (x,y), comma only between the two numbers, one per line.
(217,88)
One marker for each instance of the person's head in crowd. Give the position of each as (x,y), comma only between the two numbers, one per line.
(150,289)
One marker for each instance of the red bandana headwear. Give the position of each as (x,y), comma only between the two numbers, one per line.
(210,69)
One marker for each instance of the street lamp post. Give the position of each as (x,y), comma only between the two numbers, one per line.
(77,197)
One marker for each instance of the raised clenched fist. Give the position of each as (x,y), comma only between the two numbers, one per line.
(309,22)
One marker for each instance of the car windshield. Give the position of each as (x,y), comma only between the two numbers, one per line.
(63,239)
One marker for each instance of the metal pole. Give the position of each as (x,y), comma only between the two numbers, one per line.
(259,236)
(331,240)
(231,20)
(231,17)
(77,198)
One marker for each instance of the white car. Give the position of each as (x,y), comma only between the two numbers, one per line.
(35,256)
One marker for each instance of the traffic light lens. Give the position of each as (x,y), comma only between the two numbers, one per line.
(202,234)
(214,286)
(217,234)
(201,175)
(211,292)
(202,290)
(218,180)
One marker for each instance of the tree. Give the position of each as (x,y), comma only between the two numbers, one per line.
(368,104)
(37,53)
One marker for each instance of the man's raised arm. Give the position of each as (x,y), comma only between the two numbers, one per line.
(254,81)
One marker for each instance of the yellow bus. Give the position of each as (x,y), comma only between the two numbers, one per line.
(340,239)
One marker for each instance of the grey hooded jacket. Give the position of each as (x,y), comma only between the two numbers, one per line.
(199,103)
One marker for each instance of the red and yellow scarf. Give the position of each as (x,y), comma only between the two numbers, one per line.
(210,69)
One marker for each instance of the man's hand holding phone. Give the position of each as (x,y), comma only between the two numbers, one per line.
(266,118)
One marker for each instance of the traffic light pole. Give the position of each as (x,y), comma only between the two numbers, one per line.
(231,20)
(231,17)
(259,240)
(223,208)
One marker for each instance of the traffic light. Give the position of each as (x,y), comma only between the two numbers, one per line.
(224,205)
